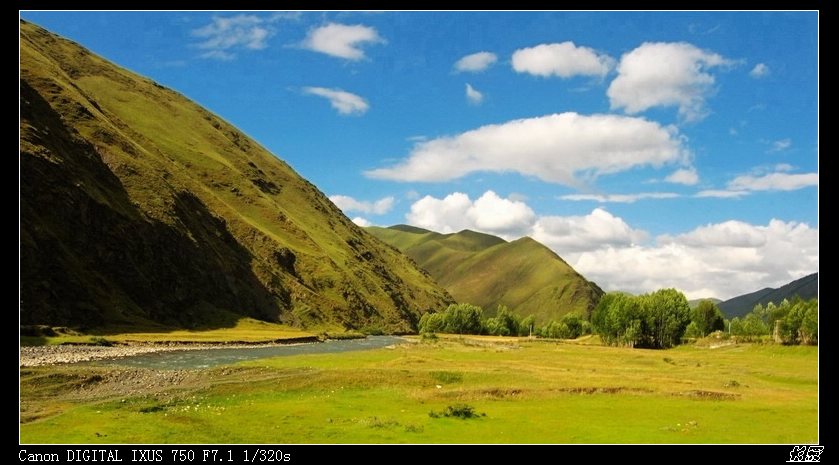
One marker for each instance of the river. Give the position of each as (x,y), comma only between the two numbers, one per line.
(206,358)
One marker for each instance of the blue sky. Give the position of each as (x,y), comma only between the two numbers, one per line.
(647,149)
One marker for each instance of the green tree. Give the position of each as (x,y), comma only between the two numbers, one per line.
(574,324)
(809,330)
(708,318)
(667,314)
(463,319)
(432,323)
(526,324)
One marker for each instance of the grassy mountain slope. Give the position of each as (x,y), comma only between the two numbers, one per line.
(486,270)
(806,288)
(139,207)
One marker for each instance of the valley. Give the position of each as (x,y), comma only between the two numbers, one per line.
(183,282)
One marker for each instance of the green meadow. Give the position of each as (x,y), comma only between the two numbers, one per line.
(518,390)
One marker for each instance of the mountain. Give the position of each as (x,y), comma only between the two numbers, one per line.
(486,270)
(139,207)
(806,288)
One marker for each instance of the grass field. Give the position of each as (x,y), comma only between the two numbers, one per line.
(529,392)
(246,330)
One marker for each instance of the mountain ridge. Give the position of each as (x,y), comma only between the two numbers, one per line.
(487,270)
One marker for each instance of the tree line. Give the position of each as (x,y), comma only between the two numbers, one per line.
(793,321)
(469,319)
(656,320)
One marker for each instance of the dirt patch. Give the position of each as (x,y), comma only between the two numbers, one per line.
(709,395)
(502,393)
(603,390)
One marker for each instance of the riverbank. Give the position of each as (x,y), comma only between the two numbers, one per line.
(32,356)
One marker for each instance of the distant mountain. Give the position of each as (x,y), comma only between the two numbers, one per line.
(486,270)
(806,287)
(139,207)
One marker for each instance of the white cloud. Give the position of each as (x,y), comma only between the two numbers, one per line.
(777,181)
(364,223)
(760,70)
(473,96)
(559,148)
(475,62)
(780,145)
(665,74)
(489,213)
(686,176)
(599,228)
(345,102)
(348,204)
(720,194)
(563,60)
(225,34)
(341,40)
(620,198)
(720,260)
(728,234)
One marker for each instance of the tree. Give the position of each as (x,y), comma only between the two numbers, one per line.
(526,324)
(809,331)
(463,319)
(432,323)
(667,315)
(708,318)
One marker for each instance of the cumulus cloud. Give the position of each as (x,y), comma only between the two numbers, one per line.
(364,223)
(224,35)
(598,229)
(562,60)
(341,40)
(759,71)
(475,63)
(686,176)
(780,145)
(489,213)
(665,74)
(559,148)
(620,198)
(719,260)
(473,96)
(345,102)
(778,181)
(348,204)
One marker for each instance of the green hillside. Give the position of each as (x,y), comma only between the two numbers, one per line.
(140,208)
(486,270)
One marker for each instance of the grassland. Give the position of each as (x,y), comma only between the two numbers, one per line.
(245,330)
(529,391)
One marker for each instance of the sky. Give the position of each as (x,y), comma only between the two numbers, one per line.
(648,149)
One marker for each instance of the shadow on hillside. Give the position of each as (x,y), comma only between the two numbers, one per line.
(91,258)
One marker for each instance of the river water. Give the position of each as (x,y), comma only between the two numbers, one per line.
(205,358)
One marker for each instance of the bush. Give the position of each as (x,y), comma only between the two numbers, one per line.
(100,341)
(462,411)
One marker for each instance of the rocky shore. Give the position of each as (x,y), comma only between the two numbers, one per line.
(31,356)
